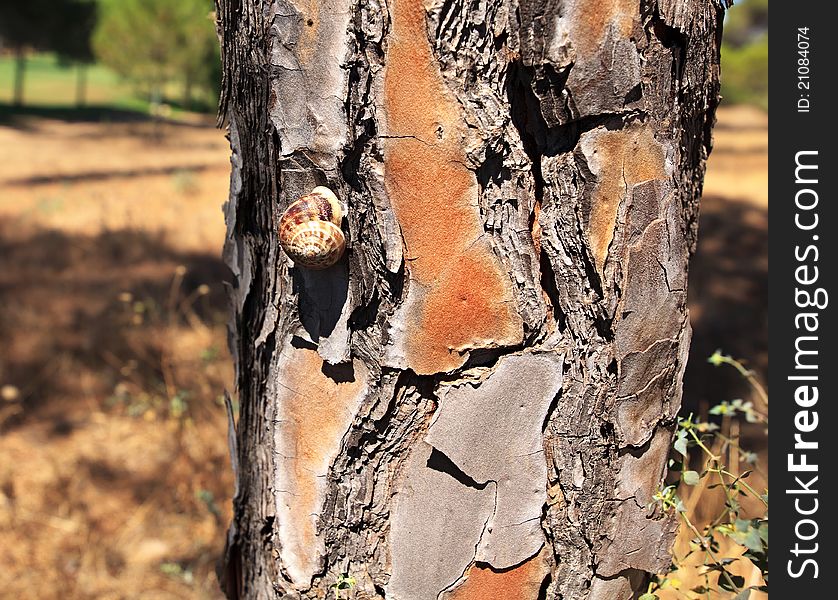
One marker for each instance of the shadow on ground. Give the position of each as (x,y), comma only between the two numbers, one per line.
(83,314)
(728,296)
(114,472)
(21,116)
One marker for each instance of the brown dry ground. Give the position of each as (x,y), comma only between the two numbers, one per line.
(114,475)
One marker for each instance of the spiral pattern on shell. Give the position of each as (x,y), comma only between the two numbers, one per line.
(309,230)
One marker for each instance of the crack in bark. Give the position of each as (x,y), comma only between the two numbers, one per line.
(463,576)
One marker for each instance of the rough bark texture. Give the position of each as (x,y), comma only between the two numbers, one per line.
(477,401)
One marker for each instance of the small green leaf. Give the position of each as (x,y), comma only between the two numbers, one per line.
(720,409)
(763,532)
(681,442)
(690,477)
(743,595)
(671,582)
(649,596)
(717,358)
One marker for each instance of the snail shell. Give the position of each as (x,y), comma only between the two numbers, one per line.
(309,230)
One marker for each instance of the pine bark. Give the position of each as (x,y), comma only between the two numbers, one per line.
(478,400)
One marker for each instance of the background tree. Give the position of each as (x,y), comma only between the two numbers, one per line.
(60,26)
(745,53)
(72,25)
(478,400)
(22,28)
(155,42)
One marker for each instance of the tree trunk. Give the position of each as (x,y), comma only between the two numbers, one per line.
(478,400)
(187,90)
(20,74)
(81,84)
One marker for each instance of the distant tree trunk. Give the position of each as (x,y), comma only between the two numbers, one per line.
(81,84)
(187,91)
(478,400)
(20,73)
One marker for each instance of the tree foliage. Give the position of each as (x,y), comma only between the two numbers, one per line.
(746,22)
(745,54)
(72,28)
(19,23)
(62,26)
(155,42)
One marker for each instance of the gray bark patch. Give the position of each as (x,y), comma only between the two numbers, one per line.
(492,431)
(436,526)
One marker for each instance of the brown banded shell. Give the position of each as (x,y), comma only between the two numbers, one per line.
(309,230)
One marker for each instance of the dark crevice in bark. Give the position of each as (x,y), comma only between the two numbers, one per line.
(366,315)
(492,168)
(635,94)
(565,138)
(554,403)
(709,122)
(676,41)
(351,162)
(548,284)
(598,316)
(298,342)
(267,527)
(669,37)
(607,432)
(527,119)
(340,373)
(541,139)
(483,357)
(545,586)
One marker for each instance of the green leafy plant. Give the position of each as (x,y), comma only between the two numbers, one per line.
(343,583)
(177,571)
(744,528)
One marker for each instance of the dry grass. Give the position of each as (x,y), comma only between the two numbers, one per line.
(114,476)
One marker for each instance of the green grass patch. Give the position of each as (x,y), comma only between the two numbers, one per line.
(49,84)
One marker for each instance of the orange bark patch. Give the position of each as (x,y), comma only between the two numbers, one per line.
(307,44)
(519,583)
(590,21)
(465,298)
(314,413)
(468,308)
(618,159)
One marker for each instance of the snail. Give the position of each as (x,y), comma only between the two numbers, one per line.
(309,229)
